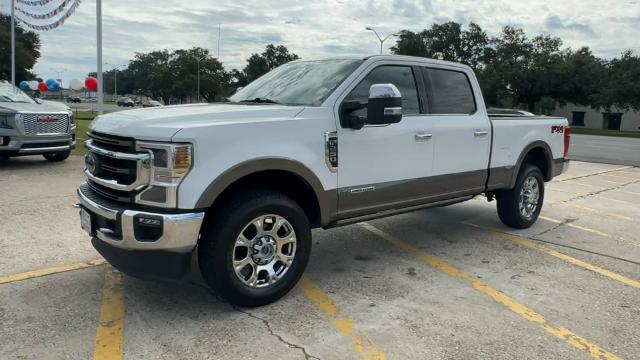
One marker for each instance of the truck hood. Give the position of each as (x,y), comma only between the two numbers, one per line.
(161,123)
(45,107)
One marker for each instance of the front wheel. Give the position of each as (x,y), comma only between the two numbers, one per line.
(520,207)
(57,156)
(255,250)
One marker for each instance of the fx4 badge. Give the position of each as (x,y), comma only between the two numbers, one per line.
(557,129)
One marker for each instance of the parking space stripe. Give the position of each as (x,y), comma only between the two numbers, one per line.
(588,185)
(345,325)
(571,260)
(49,271)
(596,211)
(520,309)
(596,173)
(589,230)
(109,335)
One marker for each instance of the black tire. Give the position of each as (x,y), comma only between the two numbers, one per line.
(509,200)
(216,251)
(57,156)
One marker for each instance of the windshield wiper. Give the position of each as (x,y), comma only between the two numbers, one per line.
(260,100)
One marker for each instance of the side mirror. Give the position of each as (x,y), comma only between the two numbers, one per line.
(385,105)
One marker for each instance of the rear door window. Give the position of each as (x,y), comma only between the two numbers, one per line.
(449,92)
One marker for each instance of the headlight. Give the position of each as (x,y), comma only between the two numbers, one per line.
(169,165)
(72,120)
(7,121)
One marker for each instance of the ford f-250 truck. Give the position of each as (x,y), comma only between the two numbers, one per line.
(311,144)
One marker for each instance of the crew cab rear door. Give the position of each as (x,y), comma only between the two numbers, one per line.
(461,129)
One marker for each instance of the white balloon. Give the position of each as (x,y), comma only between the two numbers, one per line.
(33,85)
(75,84)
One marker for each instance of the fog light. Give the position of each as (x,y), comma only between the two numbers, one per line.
(149,222)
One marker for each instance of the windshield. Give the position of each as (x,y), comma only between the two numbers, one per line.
(9,93)
(298,83)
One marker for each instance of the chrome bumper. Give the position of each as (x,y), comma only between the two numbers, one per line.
(180,232)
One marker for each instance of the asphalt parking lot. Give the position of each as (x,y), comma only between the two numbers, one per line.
(444,283)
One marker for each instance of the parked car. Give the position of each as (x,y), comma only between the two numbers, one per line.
(310,144)
(125,102)
(33,126)
(152,103)
(74,99)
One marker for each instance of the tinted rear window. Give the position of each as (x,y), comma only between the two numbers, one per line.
(450,92)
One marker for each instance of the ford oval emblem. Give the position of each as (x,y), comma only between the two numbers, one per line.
(90,162)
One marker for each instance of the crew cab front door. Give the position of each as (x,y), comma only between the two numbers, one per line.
(381,167)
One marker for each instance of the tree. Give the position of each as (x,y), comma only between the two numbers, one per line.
(621,87)
(445,42)
(214,80)
(260,64)
(523,69)
(27,51)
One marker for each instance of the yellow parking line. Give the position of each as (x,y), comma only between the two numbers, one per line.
(626,192)
(583,264)
(599,212)
(345,325)
(589,230)
(520,309)
(583,184)
(48,271)
(617,200)
(109,335)
(597,173)
(620,177)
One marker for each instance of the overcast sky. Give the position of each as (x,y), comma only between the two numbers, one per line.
(314,29)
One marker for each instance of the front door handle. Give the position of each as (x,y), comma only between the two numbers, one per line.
(423,136)
(480,133)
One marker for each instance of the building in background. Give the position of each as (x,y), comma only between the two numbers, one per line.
(588,117)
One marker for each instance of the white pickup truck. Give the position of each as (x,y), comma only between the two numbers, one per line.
(236,187)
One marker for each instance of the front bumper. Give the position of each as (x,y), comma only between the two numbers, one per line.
(14,144)
(123,239)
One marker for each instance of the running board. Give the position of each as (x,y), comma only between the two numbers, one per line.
(392,212)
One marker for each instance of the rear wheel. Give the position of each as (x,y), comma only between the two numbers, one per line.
(57,156)
(520,207)
(255,250)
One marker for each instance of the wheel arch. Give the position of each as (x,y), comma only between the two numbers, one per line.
(285,175)
(537,153)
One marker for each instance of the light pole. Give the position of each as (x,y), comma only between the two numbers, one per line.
(99,55)
(13,43)
(379,38)
(115,79)
(59,71)
(198,61)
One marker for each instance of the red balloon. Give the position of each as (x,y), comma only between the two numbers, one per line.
(91,83)
(43,87)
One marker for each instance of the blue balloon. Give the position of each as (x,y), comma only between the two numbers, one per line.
(24,85)
(52,84)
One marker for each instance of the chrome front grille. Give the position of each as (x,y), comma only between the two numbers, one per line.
(113,167)
(45,124)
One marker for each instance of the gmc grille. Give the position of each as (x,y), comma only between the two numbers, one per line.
(45,124)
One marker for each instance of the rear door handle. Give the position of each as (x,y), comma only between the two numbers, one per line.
(423,136)
(480,133)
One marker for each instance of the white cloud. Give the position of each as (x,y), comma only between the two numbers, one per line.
(315,29)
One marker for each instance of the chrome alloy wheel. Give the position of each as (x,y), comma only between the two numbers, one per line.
(264,251)
(529,197)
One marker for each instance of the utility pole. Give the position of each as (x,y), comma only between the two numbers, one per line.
(13,42)
(99,45)
(198,60)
